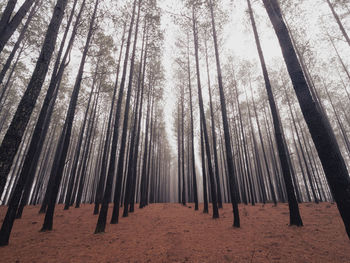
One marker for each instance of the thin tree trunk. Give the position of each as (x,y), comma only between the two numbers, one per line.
(101,223)
(229,155)
(102,180)
(204,174)
(217,174)
(202,116)
(341,27)
(120,165)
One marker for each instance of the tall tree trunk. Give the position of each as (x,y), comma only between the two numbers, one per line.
(274,199)
(320,130)
(4,92)
(74,175)
(144,158)
(183,195)
(56,173)
(102,180)
(101,223)
(19,122)
(8,27)
(131,165)
(202,116)
(213,131)
(88,145)
(178,154)
(42,125)
(229,156)
(13,137)
(195,194)
(204,174)
(7,13)
(120,165)
(136,153)
(295,218)
(18,42)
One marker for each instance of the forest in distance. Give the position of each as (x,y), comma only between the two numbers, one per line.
(133,112)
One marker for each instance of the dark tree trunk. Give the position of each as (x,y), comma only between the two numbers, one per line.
(204,174)
(8,27)
(18,42)
(7,13)
(145,154)
(101,223)
(43,122)
(229,156)
(202,116)
(195,194)
(137,122)
(120,165)
(15,132)
(150,151)
(4,92)
(131,164)
(213,131)
(320,130)
(102,180)
(264,155)
(183,195)
(178,154)
(88,145)
(74,175)
(57,172)
(136,153)
(295,218)
(13,136)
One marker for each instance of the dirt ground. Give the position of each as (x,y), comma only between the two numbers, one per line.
(174,233)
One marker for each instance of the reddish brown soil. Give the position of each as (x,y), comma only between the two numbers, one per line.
(171,232)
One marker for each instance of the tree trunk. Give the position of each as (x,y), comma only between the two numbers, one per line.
(120,165)
(217,174)
(19,122)
(18,42)
(43,122)
(295,218)
(341,27)
(131,165)
(15,132)
(202,116)
(65,137)
(229,159)
(101,223)
(321,133)
(204,174)
(8,27)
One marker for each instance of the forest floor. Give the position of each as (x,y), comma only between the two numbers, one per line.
(171,232)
